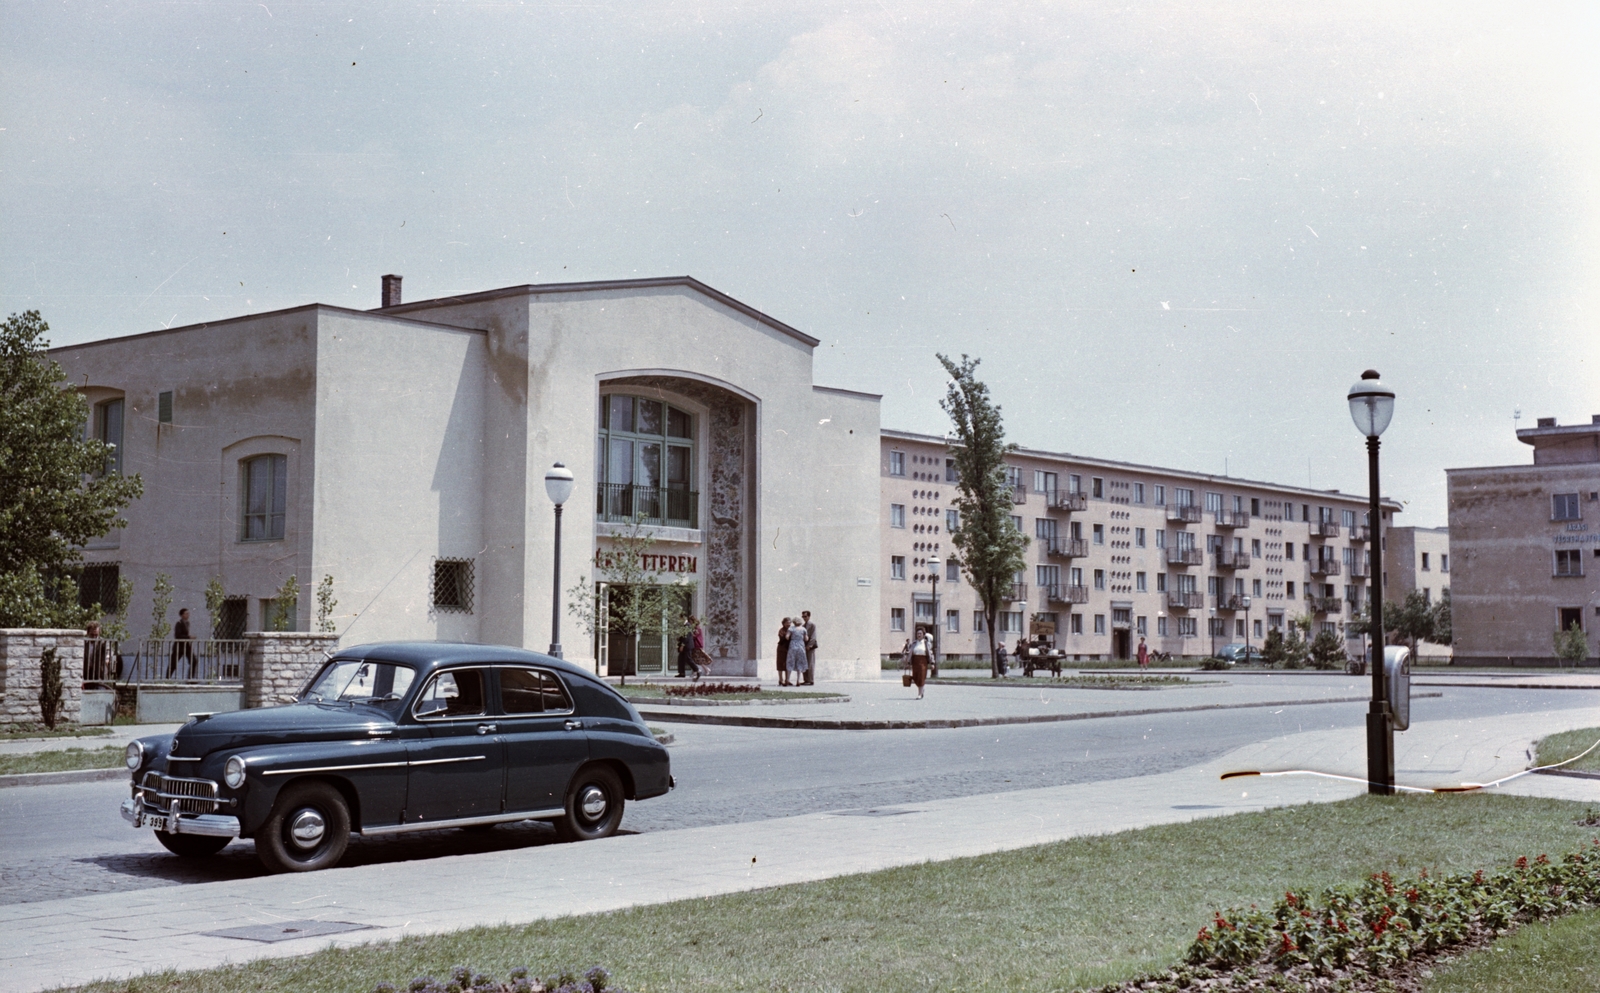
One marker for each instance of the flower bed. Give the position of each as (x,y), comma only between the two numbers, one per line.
(464,980)
(1363,937)
(712,689)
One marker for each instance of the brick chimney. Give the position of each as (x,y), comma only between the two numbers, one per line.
(391,291)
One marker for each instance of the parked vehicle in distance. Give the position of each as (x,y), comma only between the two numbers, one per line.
(404,736)
(1240,654)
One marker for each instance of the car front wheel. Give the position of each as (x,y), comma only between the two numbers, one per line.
(191,846)
(594,805)
(309,828)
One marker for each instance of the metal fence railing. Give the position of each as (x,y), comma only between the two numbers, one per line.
(661,505)
(164,660)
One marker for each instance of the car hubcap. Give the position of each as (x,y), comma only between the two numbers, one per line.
(592,802)
(306,828)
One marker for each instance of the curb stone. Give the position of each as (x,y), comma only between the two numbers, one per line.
(823,724)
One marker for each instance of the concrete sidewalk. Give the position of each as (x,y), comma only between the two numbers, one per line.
(118,935)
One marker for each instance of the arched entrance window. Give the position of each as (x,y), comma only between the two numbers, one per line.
(644,463)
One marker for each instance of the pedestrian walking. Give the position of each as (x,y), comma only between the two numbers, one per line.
(1144,654)
(783,653)
(811,647)
(920,650)
(685,655)
(796,661)
(697,646)
(182,646)
(1000,659)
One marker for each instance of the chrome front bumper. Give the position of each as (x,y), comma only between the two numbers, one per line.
(212,825)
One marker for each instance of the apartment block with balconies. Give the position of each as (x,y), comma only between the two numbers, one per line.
(1119,551)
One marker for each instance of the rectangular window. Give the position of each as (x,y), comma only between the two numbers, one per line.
(1425,562)
(1255,506)
(1160,493)
(1077,576)
(1161,625)
(1077,623)
(1014,478)
(1016,522)
(1188,627)
(1444,562)
(1213,502)
(1238,587)
(1564,507)
(1077,531)
(1044,528)
(1138,493)
(950,471)
(1161,539)
(1348,519)
(1074,483)
(235,618)
(1139,584)
(952,521)
(1099,624)
(897,567)
(108,428)
(922,611)
(1142,625)
(1305,551)
(897,619)
(266,494)
(1010,622)
(97,584)
(952,571)
(1099,487)
(1099,579)
(897,515)
(1138,537)
(1183,496)
(1288,551)
(1214,585)
(952,621)
(1255,587)
(977,622)
(897,465)
(1305,513)
(1044,482)
(1569,562)
(1288,589)
(1255,547)
(164,407)
(1047,575)
(452,585)
(1238,505)
(1099,534)
(1161,582)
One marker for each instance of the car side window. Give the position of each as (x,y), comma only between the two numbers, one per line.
(456,693)
(531,691)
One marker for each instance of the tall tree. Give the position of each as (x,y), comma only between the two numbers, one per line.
(990,545)
(55,492)
(1443,632)
(1411,621)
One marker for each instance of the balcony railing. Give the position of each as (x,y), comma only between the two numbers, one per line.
(1325,567)
(1325,604)
(1182,600)
(1019,591)
(1232,560)
(1062,593)
(1324,529)
(1062,500)
(1230,602)
(1361,532)
(1359,570)
(1185,556)
(1019,494)
(1066,548)
(667,506)
(1232,519)
(1184,513)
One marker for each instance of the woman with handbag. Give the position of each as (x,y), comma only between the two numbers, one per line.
(920,650)
(796,661)
(697,648)
(783,653)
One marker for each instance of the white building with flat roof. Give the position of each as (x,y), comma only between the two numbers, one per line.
(402,451)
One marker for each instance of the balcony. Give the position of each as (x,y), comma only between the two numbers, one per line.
(1230,602)
(664,506)
(1019,591)
(1324,529)
(1185,556)
(1019,494)
(1232,560)
(1325,567)
(1062,500)
(1360,570)
(1324,604)
(1185,600)
(1184,513)
(1061,593)
(1232,519)
(1361,532)
(1066,548)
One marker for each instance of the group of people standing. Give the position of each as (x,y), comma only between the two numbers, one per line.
(797,651)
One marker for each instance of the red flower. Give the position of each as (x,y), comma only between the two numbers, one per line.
(1522,862)
(1542,860)
(1412,895)
(1286,946)
(1204,935)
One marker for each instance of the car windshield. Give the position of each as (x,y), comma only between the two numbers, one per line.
(380,684)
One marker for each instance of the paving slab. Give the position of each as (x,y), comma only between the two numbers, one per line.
(72,941)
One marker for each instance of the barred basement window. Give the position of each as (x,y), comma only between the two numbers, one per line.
(452,585)
(97,584)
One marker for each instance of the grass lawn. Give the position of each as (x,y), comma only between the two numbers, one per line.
(1053,917)
(14,731)
(1563,746)
(1560,956)
(62,760)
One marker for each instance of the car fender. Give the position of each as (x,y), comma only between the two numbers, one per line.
(371,773)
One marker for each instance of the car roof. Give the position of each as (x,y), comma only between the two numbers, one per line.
(429,655)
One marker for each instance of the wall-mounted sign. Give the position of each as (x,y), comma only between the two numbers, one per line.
(863,581)
(683,564)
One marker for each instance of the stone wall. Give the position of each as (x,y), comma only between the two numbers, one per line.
(20,651)
(277,664)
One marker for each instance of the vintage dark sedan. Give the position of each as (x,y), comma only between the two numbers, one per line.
(410,736)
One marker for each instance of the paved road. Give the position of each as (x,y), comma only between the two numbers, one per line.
(62,841)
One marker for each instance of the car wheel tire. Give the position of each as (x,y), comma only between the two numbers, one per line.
(191,846)
(309,828)
(594,805)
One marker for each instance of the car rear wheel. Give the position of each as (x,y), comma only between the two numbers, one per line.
(191,846)
(594,805)
(309,828)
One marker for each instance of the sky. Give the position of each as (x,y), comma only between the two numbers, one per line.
(1173,233)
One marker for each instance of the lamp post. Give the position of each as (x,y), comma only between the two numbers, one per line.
(1212,626)
(1246,602)
(558,484)
(933,573)
(1371,407)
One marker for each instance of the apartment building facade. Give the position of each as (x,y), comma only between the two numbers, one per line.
(1526,541)
(1119,551)
(1417,558)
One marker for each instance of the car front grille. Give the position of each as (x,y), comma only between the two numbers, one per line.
(178,796)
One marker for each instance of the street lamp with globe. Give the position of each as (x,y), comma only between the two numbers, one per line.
(558,485)
(1371,407)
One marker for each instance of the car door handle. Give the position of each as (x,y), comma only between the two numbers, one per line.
(486,728)
(574,725)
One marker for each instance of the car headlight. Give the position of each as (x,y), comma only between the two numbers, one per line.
(233,772)
(133,757)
